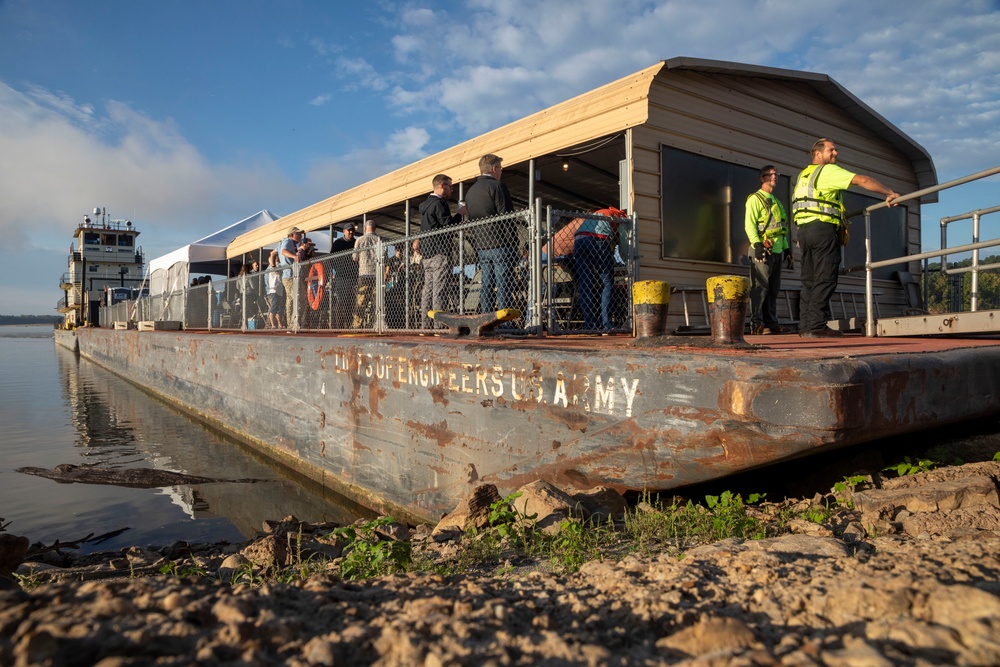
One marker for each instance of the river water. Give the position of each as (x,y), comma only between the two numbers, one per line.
(55,409)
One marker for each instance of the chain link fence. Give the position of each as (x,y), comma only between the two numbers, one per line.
(564,272)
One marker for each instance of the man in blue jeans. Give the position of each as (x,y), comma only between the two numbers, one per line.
(594,244)
(496,244)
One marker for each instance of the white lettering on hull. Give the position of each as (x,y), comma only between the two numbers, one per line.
(600,393)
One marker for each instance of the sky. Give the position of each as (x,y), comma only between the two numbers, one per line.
(185,116)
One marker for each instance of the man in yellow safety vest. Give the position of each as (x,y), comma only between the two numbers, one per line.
(818,212)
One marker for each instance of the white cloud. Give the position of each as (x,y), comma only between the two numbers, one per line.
(320,100)
(931,70)
(360,74)
(63,160)
(407,145)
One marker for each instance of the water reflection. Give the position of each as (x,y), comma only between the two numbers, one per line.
(116,425)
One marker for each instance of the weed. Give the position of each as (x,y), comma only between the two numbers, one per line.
(816,514)
(366,555)
(510,522)
(29,581)
(679,526)
(846,487)
(911,467)
(996,457)
(577,543)
(849,483)
(177,569)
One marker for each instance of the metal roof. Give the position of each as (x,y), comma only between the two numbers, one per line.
(585,133)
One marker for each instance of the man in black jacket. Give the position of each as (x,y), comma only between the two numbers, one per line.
(435,214)
(346,277)
(496,244)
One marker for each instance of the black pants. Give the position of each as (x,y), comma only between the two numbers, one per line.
(820,268)
(765,284)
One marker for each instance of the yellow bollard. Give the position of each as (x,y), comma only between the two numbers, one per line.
(727,304)
(650,299)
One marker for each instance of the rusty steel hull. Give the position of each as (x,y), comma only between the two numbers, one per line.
(410,425)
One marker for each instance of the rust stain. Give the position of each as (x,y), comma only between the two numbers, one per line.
(573,420)
(322,419)
(472,473)
(375,394)
(251,353)
(438,394)
(438,432)
(322,447)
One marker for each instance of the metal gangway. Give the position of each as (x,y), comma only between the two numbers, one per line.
(974,321)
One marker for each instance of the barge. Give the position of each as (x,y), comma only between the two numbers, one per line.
(409,424)
(410,427)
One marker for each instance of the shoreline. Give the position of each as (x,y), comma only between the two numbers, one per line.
(898,570)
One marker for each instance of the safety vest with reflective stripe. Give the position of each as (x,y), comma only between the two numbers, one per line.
(810,203)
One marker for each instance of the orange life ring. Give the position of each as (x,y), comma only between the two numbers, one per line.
(314,286)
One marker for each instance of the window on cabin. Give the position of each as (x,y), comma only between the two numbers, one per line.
(91,238)
(125,241)
(703,206)
(888,234)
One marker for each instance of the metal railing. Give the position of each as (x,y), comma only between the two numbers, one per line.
(388,283)
(974,247)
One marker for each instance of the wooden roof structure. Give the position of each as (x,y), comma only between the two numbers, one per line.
(597,117)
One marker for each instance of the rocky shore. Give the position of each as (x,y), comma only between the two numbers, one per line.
(882,571)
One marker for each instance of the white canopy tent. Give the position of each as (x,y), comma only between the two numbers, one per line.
(172,272)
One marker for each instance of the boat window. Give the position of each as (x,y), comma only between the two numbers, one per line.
(888,234)
(109,239)
(124,240)
(703,206)
(91,238)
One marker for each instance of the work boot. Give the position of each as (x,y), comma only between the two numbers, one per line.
(825,332)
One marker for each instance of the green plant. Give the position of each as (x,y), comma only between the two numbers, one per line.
(996,457)
(177,569)
(28,581)
(849,483)
(911,467)
(366,555)
(847,486)
(508,520)
(816,514)
(577,543)
(679,526)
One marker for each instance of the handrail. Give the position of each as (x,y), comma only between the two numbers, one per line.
(975,216)
(869,265)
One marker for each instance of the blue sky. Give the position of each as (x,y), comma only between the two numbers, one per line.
(187,116)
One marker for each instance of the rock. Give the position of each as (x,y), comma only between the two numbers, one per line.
(856,653)
(473,512)
(393,531)
(600,505)
(879,507)
(709,635)
(544,505)
(13,549)
(803,527)
(269,552)
(956,523)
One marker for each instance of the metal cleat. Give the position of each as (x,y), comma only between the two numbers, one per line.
(463,325)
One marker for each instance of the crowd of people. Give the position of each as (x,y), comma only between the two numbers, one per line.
(340,294)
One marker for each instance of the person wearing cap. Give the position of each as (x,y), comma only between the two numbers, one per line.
(496,244)
(346,277)
(435,215)
(287,254)
(366,258)
(594,244)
